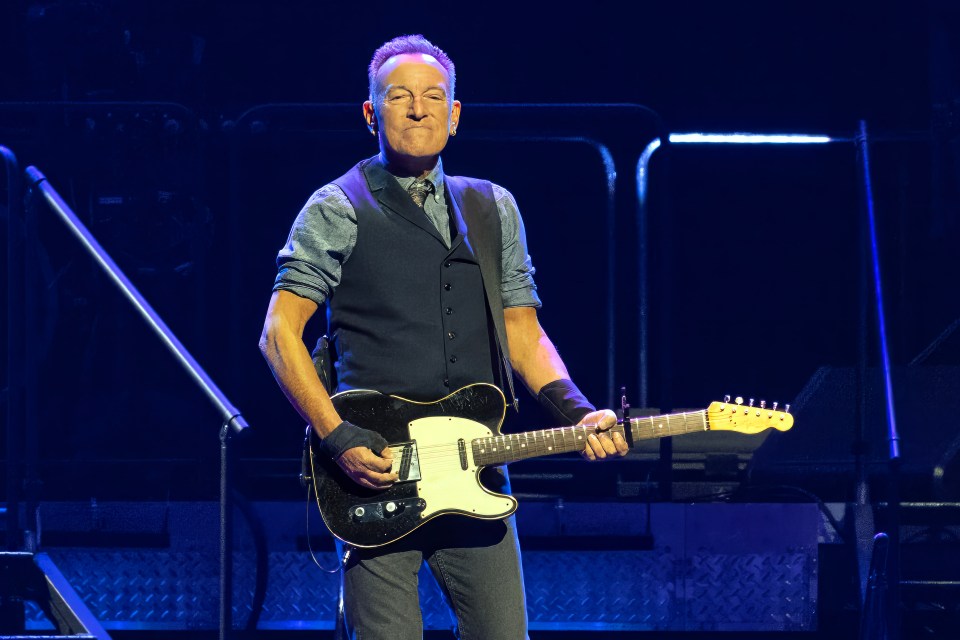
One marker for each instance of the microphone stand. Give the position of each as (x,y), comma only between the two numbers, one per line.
(870,249)
(233,423)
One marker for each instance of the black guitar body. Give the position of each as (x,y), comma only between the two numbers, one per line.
(423,455)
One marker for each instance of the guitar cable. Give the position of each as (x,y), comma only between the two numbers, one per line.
(307,481)
(313,555)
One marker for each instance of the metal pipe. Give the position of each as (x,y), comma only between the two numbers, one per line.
(863,151)
(231,415)
(643,178)
(892,619)
(16,347)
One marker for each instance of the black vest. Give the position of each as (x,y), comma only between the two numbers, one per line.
(410,317)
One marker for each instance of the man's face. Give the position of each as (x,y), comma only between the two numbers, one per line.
(414,116)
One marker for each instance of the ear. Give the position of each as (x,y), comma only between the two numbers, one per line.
(454,116)
(370,116)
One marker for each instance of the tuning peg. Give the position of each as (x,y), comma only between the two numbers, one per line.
(738,400)
(726,399)
(786,408)
(775,403)
(763,404)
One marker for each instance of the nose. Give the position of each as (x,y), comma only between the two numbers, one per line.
(417,108)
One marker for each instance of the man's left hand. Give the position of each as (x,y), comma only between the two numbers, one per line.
(600,445)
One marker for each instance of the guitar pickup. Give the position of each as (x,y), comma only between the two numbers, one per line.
(406,463)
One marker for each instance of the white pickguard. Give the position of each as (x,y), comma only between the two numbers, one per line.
(444,484)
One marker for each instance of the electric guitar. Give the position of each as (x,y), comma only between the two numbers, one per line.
(440,447)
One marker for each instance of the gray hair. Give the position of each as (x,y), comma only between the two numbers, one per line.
(407,44)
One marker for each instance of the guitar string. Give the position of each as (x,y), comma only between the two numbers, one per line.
(540,446)
(544,436)
(446,456)
(543,439)
(539,441)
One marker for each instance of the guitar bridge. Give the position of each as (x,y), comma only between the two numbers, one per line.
(406,463)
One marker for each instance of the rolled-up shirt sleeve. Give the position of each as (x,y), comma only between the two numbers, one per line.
(320,241)
(517,285)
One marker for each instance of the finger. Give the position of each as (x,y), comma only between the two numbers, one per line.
(622,446)
(372,461)
(607,444)
(379,472)
(366,468)
(387,453)
(605,420)
(588,452)
(379,480)
(593,442)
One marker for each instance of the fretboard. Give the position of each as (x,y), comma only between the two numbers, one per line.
(511,447)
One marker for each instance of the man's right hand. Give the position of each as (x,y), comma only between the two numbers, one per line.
(353,448)
(367,468)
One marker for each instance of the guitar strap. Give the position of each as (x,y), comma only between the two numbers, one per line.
(478,207)
(323,363)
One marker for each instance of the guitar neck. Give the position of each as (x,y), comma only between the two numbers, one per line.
(504,449)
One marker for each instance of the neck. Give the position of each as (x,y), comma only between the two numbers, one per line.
(409,166)
(506,448)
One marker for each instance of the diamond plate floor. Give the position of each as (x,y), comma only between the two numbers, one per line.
(700,575)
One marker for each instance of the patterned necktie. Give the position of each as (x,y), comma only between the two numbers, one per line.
(418,190)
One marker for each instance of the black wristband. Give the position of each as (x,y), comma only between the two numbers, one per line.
(564,402)
(347,436)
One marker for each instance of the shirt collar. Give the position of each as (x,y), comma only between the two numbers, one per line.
(435,177)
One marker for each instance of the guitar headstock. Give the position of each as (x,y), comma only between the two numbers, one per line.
(747,418)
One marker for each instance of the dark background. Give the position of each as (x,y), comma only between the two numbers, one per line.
(755,251)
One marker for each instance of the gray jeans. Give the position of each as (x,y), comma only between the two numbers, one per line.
(475,562)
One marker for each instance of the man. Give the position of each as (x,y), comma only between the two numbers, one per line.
(429,288)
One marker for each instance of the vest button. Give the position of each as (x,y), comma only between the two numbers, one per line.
(448,286)
(451,335)
(453,358)
(446,382)
(448,311)
(447,264)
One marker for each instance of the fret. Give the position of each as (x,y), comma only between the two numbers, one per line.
(647,428)
(505,448)
(523,451)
